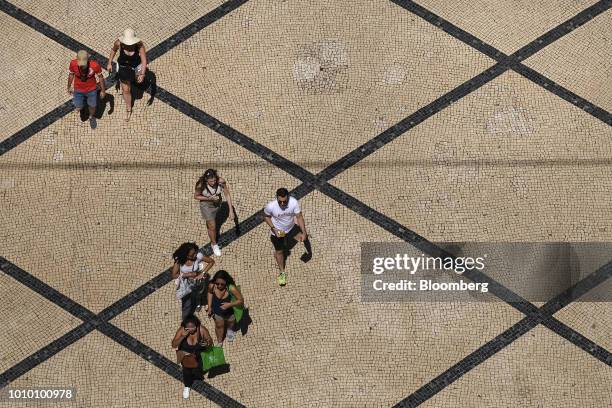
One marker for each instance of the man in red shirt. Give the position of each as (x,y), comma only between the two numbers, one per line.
(83,72)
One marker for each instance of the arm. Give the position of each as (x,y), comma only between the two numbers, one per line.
(178,337)
(175,270)
(268,220)
(143,63)
(102,85)
(206,335)
(143,58)
(209,301)
(239,299)
(198,195)
(114,48)
(299,219)
(70,80)
(209,263)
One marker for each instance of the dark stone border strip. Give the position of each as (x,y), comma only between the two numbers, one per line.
(232,134)
(578,290)
(38,125)
(161,362)
(164,277)
(452,30)
(46,291)
(135,296)
(562,29)
(410,122)
(43,122)
(308,176)
(578,340)
(517,330)
(514,61)
(194,28)
(45,353)
(70,43)
(92,322)
(469,362)
(569,96)
(48,31)
(417,241)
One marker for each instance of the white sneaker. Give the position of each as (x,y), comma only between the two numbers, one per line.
(186,392)
(216,250)
(231,335)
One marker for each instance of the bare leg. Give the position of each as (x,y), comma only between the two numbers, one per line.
(127,98)
(212,231)
(219,330)
(280,260)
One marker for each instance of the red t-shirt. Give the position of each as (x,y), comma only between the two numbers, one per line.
(89,84)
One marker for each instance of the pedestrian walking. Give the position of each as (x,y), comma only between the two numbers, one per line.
(286,222)
(223,297)
(189,265)
(209,191)
(132,63)
(83,77)
(190,340)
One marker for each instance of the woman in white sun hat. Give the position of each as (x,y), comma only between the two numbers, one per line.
(132,63)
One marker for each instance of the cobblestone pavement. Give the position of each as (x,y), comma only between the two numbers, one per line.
(390,120)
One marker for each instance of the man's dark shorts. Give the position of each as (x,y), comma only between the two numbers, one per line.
(281,244)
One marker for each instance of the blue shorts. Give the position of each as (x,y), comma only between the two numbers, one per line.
(79,98)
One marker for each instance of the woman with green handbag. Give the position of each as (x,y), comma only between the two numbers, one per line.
(224,298)
(189,341)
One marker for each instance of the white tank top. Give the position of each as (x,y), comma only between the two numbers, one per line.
(197,265)
(207,191)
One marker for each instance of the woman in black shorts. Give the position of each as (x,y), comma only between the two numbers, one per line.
(132,63)
(220,305)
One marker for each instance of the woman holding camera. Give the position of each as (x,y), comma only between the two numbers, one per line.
(209,191)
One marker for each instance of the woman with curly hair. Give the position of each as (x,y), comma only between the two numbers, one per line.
(189,264)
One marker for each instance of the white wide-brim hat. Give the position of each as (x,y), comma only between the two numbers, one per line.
(128,37)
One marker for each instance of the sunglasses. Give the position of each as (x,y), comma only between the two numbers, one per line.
(220,285)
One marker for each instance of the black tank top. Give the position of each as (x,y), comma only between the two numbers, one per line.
(129,60)
(193,349)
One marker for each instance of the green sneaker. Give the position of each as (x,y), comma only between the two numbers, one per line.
(282,279)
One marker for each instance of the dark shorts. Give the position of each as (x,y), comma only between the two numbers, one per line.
(127,73)
(282,243)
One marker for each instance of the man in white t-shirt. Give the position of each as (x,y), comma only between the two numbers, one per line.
(285,219)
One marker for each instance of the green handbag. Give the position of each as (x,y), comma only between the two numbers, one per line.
(212,357)
(238,310)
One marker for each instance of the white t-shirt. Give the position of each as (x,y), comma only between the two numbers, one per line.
(283,219)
